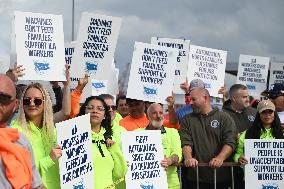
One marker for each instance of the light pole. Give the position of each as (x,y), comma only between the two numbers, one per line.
(73,10)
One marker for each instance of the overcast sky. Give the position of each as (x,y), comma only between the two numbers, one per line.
(253,27)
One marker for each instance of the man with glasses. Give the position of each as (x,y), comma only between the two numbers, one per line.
(276,95)
(17,166)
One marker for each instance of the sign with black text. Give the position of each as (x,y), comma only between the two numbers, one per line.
(143,151)
(208,65)
(182,58)
(252,72)
(40,46)
(75,164)
(152,72)
(265,168)
(95,45)
(276,73)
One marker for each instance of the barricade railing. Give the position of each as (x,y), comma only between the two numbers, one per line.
(225,164)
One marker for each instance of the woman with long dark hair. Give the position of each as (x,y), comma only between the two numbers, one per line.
(108,162)
(266,125)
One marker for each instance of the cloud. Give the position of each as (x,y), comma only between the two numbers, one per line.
(247,27)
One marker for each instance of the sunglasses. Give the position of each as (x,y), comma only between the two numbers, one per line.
(5,99)
(36,101)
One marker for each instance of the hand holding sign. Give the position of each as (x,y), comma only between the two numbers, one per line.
(67,73)
(185,86)
(243,160)
(82,83)
(165,163)
(16,72)
(55,153)
(170,100)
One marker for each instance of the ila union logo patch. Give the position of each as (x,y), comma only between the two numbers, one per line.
(251,118)
(215,123)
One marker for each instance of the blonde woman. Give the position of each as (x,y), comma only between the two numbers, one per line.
(36,120)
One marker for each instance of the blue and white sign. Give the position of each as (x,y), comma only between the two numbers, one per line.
(252,72)
(95,45)
(99,87)
(208,65)
(69,50)
(152,72)
(144,152)
(40,46)
(181,61)
(265,168)
(276,73)
(74,137)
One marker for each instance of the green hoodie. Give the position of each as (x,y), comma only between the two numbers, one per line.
(264,134)
(117,131)
(109,164)
(48,169)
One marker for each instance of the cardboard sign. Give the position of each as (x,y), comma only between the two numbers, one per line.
(144,152)
(265,168)
(40,46)
(95,45)
(208,65)
(252,72)
(74,137)
(152,72)
(182,59)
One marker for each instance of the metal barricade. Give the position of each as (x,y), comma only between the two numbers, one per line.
(225,164)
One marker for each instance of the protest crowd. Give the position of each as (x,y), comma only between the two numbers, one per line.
(197,138)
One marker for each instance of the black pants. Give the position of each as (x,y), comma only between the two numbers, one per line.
(193,185)
(239,178)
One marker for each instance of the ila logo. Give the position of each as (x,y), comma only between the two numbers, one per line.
(215,123)
(41,66)
(270,186)
(251,118)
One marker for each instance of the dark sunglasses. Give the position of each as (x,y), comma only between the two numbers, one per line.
(5,99)
(36,101)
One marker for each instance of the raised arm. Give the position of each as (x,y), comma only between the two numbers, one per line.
(66,101)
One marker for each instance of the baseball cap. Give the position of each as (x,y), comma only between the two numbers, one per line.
(277,89)
(196,83)
(130,100)
(265,105)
